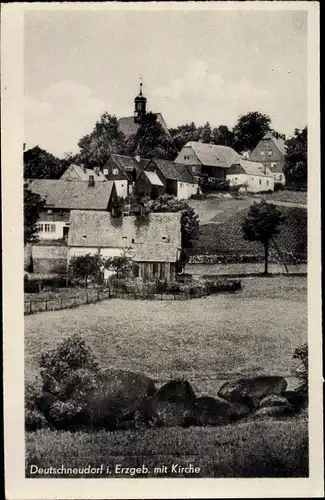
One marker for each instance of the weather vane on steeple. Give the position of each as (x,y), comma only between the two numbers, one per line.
(141,85)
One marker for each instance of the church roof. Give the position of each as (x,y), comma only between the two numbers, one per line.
(278,141)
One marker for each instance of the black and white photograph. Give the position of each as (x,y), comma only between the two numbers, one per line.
(168,162)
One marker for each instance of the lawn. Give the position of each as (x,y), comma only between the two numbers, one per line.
(252,331)
(206,340)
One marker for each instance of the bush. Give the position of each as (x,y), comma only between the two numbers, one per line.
(173,288)
(301,355)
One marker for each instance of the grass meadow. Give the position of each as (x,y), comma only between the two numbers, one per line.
(206,340)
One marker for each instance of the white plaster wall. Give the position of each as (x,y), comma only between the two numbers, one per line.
(121,188)
(185,190)
(57,234)
(255,183)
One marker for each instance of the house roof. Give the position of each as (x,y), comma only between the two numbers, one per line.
(153,178)
(155,253)
(70,195)
(127,164)
(83,173)
(279,142)
(99,229)
(175,171)
(214,155)
(254,168)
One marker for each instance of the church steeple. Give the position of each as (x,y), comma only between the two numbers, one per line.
(140,103)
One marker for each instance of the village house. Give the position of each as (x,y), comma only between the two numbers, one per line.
(81,173)
(124,170)
(252,175)
(153,243)
(148,184)
(271,152)
(62,196)
(207,159)
(177,178)
(129,125)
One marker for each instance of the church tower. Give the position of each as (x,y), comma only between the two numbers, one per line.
(140,103)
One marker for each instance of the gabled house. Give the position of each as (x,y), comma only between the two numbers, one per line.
(154,243)
(207,159)
(148,184)
(62,196)
(123,170)
(252,175)
(271,152)
(177,178)
(81,173)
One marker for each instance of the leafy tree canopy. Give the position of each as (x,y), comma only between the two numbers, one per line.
(86,266)
(104,140)
(249,130)
(297,158)
(261,224)
(39,164)
(33,205)
(151,140)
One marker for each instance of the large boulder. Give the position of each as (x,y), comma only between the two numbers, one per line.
(117,397)
(167,406)
(274,400)
(274,411)
(112,400)
(251,390)
(213,411)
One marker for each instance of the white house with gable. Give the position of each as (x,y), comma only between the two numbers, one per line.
(255,176)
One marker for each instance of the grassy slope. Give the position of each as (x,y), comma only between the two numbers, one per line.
(258,449)
(253,331)
(228,236)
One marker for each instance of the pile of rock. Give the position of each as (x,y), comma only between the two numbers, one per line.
(127,400)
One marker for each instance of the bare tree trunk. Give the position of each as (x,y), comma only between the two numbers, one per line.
(266,255)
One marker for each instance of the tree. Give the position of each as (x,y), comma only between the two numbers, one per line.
(86,266)
(249,130)
(296,158)
(121,264)
(33,205)
(190,223)
(104,140)
(223,136)
(39,164)
(151,140)
(183,134)
(205,133)
(261,224)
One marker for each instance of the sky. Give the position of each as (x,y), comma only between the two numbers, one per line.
(195,66)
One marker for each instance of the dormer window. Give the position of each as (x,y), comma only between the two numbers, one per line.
(262,153)
(115,171)
(166,239)
(105,171)
(49,211)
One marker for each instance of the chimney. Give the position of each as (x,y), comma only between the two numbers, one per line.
(91,181)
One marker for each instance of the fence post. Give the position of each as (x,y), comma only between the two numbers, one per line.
(61,303)
(75,301)
(86,297)
(46,305)
(30,307)
(98,295)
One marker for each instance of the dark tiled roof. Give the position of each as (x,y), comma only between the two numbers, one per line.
(175,171)
(73,194)
(129,127)
(127,164)
(253,168)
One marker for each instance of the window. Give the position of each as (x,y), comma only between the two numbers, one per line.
(181,184)
(269,153)
(262,153)
(280,177)
(155,269)
(49,228)
(105,171)
(115,171)
(41,227)
(267,183)
(49,211)
(252,178)
(260,181)
(166,239)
